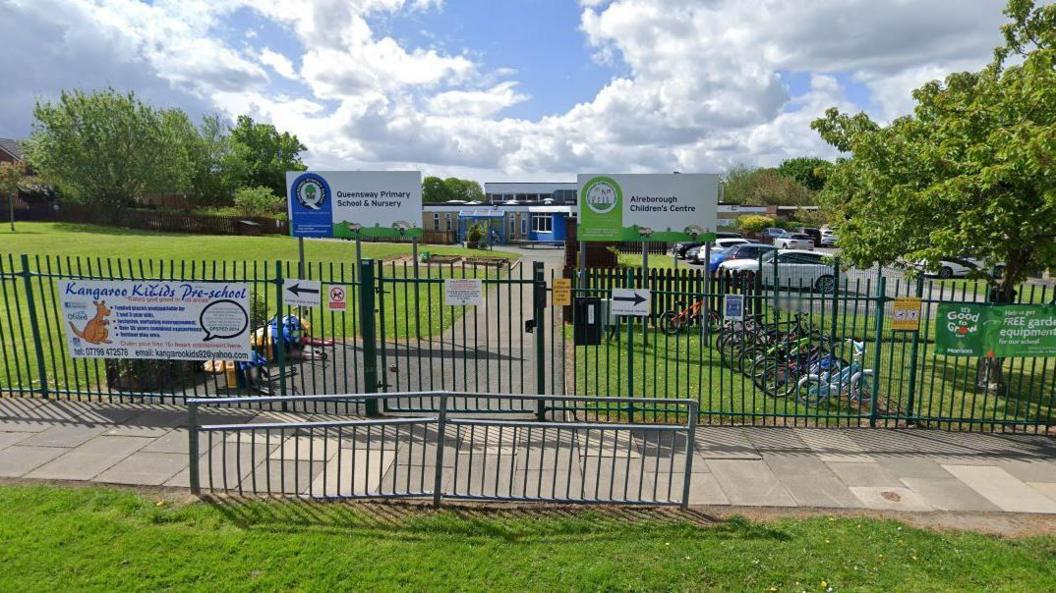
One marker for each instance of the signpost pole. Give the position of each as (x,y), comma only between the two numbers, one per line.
(300,253)
(359,250)
(414,255)
(582,263)
(645,256)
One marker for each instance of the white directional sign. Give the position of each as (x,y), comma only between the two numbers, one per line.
(630,301)
(301,293)
(463,292)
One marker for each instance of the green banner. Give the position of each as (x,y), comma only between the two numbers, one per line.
(966,329)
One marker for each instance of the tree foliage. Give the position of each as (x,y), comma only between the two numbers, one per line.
(11,176)
(810,172)
(109,148)
(763,187)
(264,154)
(435,190)
(753,224)
(257,201)
(972,171)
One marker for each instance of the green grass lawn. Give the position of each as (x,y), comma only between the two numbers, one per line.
(93,539)
(58,248)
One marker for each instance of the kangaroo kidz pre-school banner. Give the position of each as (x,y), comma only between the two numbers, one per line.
(965,329)
(669,207)
(374,204)
(165,320)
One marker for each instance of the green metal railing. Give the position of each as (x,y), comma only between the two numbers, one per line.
(398,335)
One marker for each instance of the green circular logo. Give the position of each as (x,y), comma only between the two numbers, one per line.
(601,194)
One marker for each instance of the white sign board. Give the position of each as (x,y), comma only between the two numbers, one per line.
(463,292)
(630,301)
(347,204)
(733,307)
(162,320)
(663,207)
(301,293)
(336,298)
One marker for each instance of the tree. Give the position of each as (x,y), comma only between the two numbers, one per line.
(216,169)
(972,171)
(464,189)
(763,187)
(434,190)
(753,224)
(810,172)
(11,175)
(264,154)
(108,149)
(257,201)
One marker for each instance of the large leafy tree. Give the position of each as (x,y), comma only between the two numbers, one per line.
(972,171)
(763,187)
(810,172)
(434,190)
(11,176)
(464,189)
(108,148)
(265,154)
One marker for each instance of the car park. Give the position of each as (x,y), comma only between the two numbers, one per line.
(795,269)
(718,247)
(745,251)
(815,234)
(794,241)
(680,250)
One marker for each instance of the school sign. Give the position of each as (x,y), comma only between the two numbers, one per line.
(350,204)
(633,207)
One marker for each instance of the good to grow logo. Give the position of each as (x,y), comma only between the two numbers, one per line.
(602,194)
(962,323)
(311,191)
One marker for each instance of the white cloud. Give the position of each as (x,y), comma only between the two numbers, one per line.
(279,63)
(701,88)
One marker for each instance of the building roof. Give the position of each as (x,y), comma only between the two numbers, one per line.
(12,147)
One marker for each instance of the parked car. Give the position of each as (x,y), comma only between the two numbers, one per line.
(718,247)
(725,235)
(828,238)
(771,233)
(815,234)
(795,269)
(960,267)
(745,251)
(680,249)
(794,241)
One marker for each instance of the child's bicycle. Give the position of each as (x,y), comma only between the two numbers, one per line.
(852,381)
(675,322)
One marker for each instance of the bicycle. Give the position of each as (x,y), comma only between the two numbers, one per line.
(675,322)
(853,381)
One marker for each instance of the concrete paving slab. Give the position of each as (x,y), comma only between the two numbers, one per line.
(126,430)
(856,473)
(1031,469)
(17,461)
(90,459)
(809,481)
(1002,489)
(233,463)
(949,494)
(890,498)
(98,413)
(27,425)
(912,466)
(175,441)
(358,474)
(704,489)
(306,449)
(1046,488)
(10,438)
(750,483)
(724,442)
(151,469)
(832,444)
(66,436)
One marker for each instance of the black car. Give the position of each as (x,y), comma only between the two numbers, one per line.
(680,249)
(815,234)
(729,236)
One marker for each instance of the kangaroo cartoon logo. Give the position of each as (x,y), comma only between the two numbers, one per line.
(96,329)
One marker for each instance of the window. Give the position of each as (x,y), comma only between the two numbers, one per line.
(436,221)
(513,226)
(524,226)
(542,223)
(447,222)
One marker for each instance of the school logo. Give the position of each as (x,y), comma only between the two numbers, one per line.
(311,191)
(602,194)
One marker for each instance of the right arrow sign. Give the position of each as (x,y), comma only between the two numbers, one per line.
(630,301)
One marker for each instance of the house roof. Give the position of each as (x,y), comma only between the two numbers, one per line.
(12,147)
